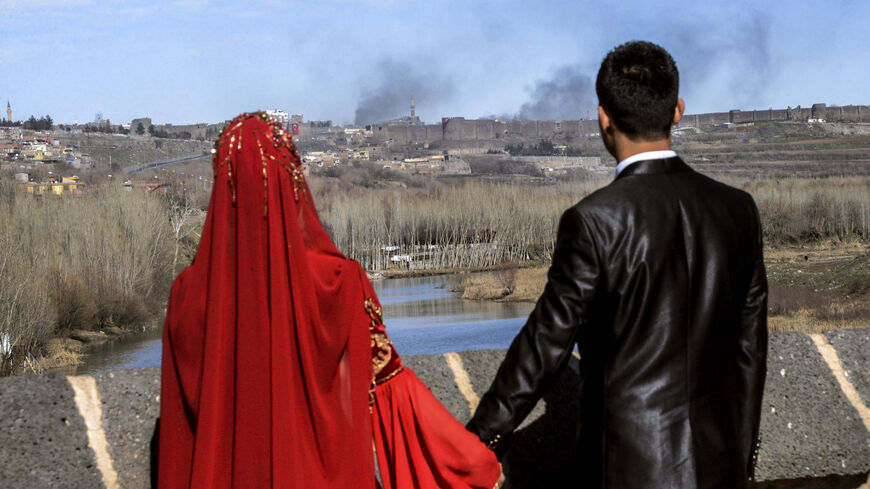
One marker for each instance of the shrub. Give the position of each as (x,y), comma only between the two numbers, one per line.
(506,276)
(73,303)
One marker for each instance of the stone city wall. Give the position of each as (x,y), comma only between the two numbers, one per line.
(848,113)
(93,432)
(461,129)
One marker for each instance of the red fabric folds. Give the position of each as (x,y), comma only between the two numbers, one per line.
(265,377)
(421,445)
(268,347)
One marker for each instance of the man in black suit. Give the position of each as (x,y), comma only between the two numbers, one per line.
(658,279)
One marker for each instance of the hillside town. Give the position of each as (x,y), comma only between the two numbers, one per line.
(405,144)
(28,147)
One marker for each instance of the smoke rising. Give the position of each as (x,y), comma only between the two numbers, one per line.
(397,83)
(568,95)
(728,61)
(724,63)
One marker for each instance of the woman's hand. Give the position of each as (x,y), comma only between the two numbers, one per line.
(500,477)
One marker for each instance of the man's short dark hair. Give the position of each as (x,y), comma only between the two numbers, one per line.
(638,85)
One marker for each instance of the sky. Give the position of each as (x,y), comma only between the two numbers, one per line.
(187,61)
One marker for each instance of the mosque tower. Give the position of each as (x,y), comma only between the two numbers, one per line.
(8,112)
(414,120)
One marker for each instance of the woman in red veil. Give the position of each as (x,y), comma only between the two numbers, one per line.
(277,371)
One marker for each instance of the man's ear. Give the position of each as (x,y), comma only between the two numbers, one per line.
(678,110)
(604,121)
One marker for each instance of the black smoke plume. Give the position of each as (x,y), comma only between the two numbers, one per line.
(568,95)
(730,59)
(397,83)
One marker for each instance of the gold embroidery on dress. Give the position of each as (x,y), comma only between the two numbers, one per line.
(381,348)
(390,375)
(298,182)
(381,345)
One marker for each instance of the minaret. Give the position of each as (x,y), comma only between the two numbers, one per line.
(8,112)
(412,107)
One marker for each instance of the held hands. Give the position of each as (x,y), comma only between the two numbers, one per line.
(500,481)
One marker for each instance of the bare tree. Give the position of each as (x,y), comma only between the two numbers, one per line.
(181,200)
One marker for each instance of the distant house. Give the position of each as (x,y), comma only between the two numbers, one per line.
(61,186)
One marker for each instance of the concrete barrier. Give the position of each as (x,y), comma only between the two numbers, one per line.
(91,432)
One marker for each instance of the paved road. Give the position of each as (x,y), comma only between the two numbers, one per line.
(158,164)
(90,432)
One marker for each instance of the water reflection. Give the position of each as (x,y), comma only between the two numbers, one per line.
(135,351)
(421,314)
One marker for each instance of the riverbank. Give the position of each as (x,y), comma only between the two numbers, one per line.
(67,352)
(812,288)
(510,284)
(434,272)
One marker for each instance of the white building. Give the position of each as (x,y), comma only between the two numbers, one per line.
(279,116)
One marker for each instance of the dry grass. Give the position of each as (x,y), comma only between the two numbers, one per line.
(830,289)
(480,224)
(811,211)
(475,224)
(809,311)
(528,286)
(820,249)
(61,352)
(806,322)
(817,289)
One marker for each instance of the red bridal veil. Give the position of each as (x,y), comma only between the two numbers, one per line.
(277,371)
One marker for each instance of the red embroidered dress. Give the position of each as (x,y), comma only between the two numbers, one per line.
(277,371)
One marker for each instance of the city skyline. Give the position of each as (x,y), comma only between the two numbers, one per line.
(362,60)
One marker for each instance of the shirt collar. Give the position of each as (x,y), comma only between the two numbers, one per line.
(647,155)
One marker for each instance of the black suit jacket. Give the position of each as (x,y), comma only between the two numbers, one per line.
(658,279)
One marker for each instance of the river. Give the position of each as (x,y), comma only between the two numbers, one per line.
(421,314)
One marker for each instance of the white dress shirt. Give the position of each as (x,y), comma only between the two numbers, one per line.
(646,155)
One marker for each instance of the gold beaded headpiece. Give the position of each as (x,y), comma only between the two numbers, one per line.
(284,154)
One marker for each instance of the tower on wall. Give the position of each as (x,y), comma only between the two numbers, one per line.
(413,120)
(8,112)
